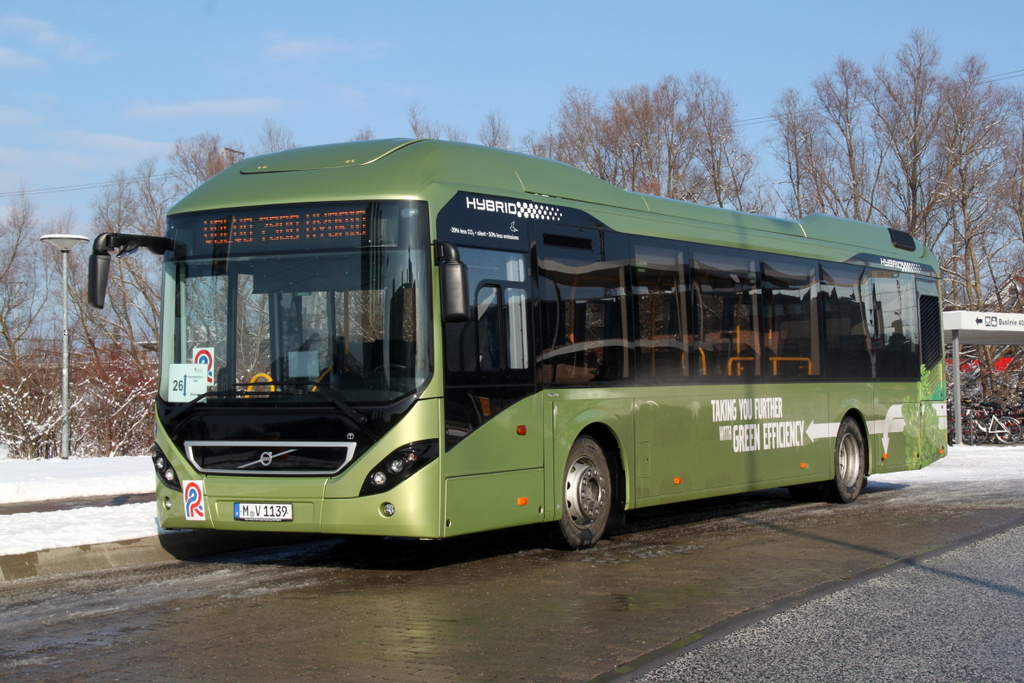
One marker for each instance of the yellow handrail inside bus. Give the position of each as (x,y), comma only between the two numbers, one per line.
(703,362)
(260,378)
(789,359)
(738,361)
(320,380)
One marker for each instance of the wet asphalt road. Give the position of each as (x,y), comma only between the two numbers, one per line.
(506,607)
(955,617)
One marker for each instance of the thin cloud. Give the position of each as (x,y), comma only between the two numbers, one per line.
(42,34)
(112,144)
(253,106)
(11,117)
(14,60)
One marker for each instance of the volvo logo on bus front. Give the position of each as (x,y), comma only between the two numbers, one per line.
(266,458)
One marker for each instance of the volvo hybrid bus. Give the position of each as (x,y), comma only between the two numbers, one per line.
(424,339)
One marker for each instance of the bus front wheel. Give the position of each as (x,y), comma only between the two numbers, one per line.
(850,460)
(586,495)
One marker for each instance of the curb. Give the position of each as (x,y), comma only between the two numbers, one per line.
(165,547)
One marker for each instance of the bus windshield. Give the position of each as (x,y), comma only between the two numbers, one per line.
(338,313)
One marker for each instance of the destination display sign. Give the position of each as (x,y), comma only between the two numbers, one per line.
(299,227)
(276,227)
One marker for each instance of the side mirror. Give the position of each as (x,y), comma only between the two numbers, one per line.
(99,260)
(99,273)
(454,284)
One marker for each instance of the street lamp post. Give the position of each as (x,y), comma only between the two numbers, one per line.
(64,243)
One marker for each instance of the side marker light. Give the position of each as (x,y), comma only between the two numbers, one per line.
(885,456)
(522,501)
(803,466)
(521,430)
(677,480)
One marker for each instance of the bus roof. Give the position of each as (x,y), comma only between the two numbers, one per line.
(420,169)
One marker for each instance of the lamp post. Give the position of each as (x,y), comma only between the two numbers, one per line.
(64,243)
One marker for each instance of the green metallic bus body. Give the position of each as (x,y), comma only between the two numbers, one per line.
(667,442)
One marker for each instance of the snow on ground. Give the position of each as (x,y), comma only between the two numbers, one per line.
(965,464)
(33,531)
(31,480)
(34,480)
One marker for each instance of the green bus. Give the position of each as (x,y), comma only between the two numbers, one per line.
(419,338)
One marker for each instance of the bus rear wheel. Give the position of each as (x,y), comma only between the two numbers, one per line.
(586,495)
(850,462)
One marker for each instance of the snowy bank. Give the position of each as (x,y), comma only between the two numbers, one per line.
(34,531)
(24,481)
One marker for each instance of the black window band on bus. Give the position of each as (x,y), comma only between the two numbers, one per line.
(490,222)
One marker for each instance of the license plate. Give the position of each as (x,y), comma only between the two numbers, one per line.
(263,512)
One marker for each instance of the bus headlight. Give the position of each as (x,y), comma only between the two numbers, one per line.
(164,470)
(398,466)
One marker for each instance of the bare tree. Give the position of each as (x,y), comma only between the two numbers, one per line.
(677,139)
(799,149)
(1011,186)
(727,165)
(195,160)
(133,204)
(363,134)
(851,189)
(577,136)
(980,247)
(22,294)
(973,132)
(494,132)
(426,128)
(908,111)
(649,134)
(274,138)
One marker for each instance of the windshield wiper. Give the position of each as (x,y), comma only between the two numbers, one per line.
(173,415)
(348,411)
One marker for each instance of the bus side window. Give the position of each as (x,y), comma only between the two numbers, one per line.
(583,335)
(488,323)
(495,338)
(726,321)
(898,356)
(790,316)
(663,347)
(847,332)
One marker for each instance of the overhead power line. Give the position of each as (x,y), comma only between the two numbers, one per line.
(757,120)
(85,186)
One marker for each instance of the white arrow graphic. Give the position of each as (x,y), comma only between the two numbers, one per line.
(893,422)
(822,430)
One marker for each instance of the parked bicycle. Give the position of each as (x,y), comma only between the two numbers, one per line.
(986,423)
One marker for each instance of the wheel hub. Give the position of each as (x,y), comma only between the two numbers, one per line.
(584,492)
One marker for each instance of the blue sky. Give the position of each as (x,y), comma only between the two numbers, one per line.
(88,87)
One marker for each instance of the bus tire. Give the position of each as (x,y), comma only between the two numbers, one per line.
(586,496)
(850,463)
